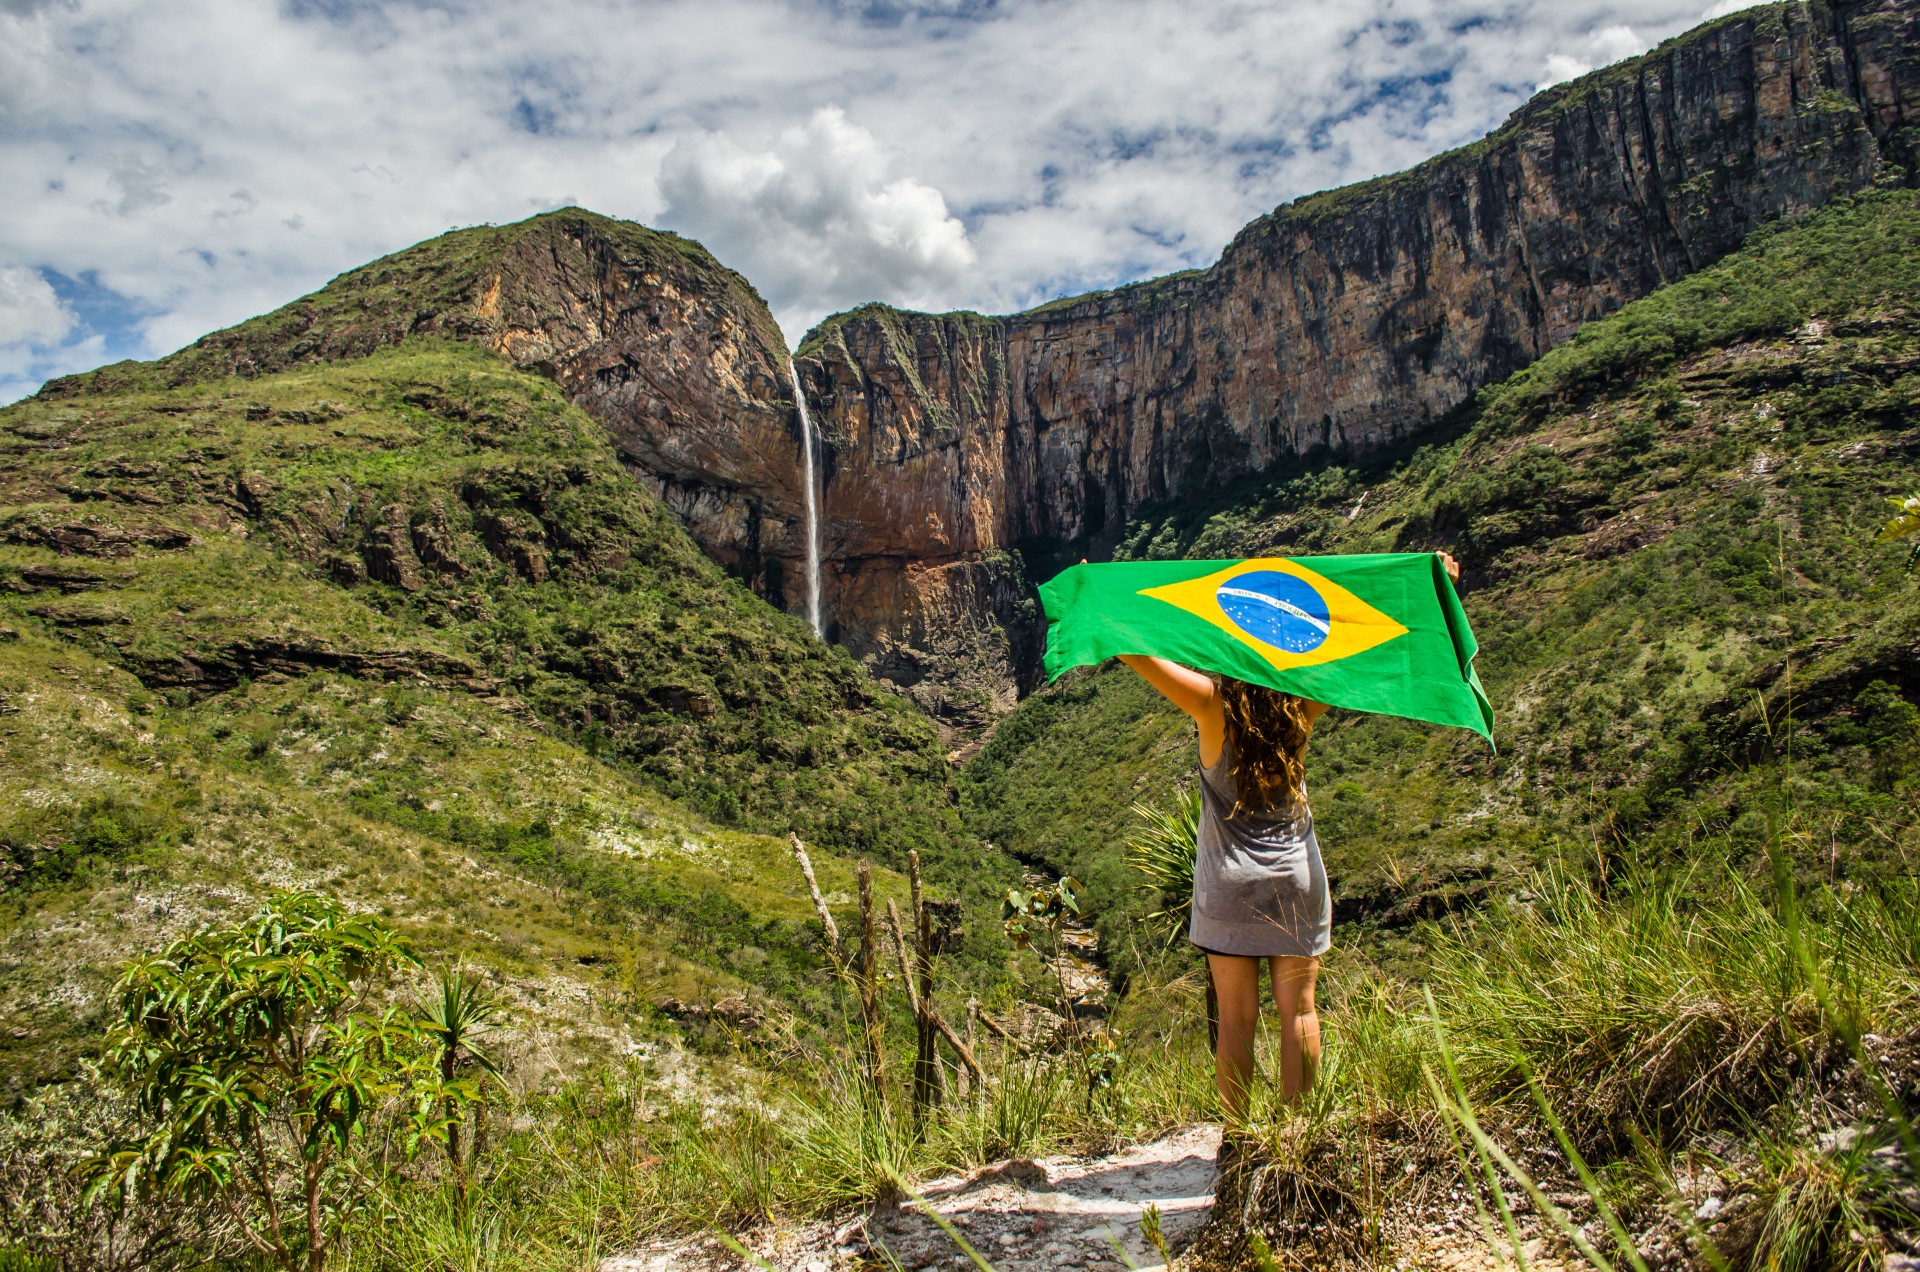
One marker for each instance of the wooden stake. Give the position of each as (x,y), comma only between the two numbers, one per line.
(834,952)
(906,957)
(923,1009)
(870,990)
(960,1048)
(973,1010)
(926,1065)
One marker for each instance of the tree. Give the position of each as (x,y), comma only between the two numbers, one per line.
(1043,912)
(277,1091)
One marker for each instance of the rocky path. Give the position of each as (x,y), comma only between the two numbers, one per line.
(1021,1216)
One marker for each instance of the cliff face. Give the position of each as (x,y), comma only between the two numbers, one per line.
(1349,319)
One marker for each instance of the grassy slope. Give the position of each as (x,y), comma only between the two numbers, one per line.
(1666,524)
(658,661)
(202,695)
(517,552)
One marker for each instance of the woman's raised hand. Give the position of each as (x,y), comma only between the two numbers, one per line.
(1453,566)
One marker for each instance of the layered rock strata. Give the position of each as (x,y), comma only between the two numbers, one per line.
(675,354)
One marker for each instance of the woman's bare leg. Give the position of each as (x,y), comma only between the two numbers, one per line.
(1236,982)
(1293,980)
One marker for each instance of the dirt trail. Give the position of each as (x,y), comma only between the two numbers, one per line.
(1022,1216)
(1079,1213)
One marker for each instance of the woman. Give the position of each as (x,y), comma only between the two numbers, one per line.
(1259,888)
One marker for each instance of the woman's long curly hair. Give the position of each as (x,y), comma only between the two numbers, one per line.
(1268,732)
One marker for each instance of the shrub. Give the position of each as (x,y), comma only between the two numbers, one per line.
(273,1089)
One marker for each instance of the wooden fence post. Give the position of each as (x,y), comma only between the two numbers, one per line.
(834,952)
(923,1007)
(904,948)
(869,989)
(960,1047)
(926,1064)
(973,1046)
(1001,1032)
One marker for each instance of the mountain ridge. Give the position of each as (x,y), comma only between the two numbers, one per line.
(1667,530)
(413,628)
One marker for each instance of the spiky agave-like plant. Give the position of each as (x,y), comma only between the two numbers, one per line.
(1161,848)
(460,1013)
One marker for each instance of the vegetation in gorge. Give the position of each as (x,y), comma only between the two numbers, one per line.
(1668,527)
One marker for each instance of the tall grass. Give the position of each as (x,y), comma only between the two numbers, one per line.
(1594,1032)
(1161,851)
(1665,1004)
(1639,1013)
(611,1161)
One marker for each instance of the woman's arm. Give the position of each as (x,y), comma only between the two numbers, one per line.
(1184,687)
(1190,691)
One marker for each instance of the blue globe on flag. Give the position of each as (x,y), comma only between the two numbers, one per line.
(1277,609)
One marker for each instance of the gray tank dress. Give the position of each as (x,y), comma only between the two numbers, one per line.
(1259,888)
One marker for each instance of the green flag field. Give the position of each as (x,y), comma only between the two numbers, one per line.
(1382,632)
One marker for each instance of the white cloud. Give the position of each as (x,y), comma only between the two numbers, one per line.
(141,186)
(1600,48)
(819,220)
(38,334)
(30,312)
(206,160)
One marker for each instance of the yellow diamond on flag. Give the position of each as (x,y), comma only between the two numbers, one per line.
(1286,613)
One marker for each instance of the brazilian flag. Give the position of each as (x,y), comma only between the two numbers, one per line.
(1381,632)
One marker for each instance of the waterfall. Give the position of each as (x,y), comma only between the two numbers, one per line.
(813,507)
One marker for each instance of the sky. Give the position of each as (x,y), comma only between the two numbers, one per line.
(170,169)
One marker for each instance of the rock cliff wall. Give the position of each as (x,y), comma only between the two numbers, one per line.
(1348,319)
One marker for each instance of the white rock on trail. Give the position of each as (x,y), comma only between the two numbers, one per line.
(1023,1216)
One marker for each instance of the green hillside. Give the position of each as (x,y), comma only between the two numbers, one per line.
(1667,530)
(428,512)
(402,628)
